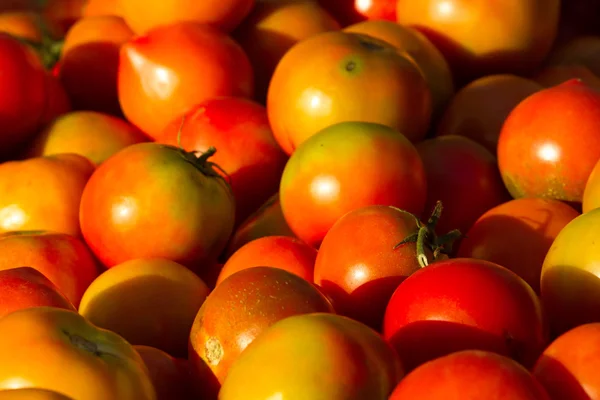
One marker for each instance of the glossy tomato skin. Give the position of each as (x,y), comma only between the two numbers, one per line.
(569,283)
(464,176)
(358,265)
(341,76)
(517,235)
(377,9)
(549,143)
(518,37)
(295,352)
(322,181)
(568,368)
(246,149)
(165,72)
(98,364)
(23,96)
(591,193)
(148,200)
(461,304)
(470,375)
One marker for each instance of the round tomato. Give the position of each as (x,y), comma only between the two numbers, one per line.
(570,284)
(347,166)
(58,103)
(156,201)
(167,71)
(294,353)
(28,25)
(470,374)
(591,193)
(340,76)
(243,306)
(343,11)
(481,37)
(247,151)
(517,235)
(549,143)
(98,364)
(377,9)
(32,394)
(462,304)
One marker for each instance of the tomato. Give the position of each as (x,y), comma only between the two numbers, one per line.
(343,11)
(283,252)
(22,103)
(244,305)
(268,220)
(582,51)
(167,71)
(296,352)
(568,368)
(464,176)
(272,28)
(170,376)
(24,24)
(63,259)
(94,8)
(569,283)
(25,287)
(591,193)
(377,9)
(58,103)
(62,13)
(556,74)
(32,394)
(247,151)
(104,136)
(90,62)
(479,109)
(60,178)
(549,143)
(156,201)
(462,304)
(470,375)
(340,76)
(150,302)
(101,364)
(347,166)
(222,14)
(517,235)
(430,61)
(480,37)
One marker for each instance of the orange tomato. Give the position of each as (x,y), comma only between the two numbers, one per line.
(340,76)
(102,7)
(272,28)
(32,394)
(170,69)
(478,110)
(430,60)
(43,193)
(90,61)
(95,364)
(150,302)
(103,136)
(481,37)
(25,24)
(222,14)
(591,193)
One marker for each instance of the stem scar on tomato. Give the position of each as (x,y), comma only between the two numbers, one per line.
(425,237)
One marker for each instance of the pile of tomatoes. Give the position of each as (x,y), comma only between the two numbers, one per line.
(300,199)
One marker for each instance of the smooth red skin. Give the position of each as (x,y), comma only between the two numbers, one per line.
(517,235)
(461,304)
(147,201)
(470,375)
(565,118)
(63,259)
(464,176)
(246,149)
(170,69)
(344,11)
(357,265)
(377,9)
(58,102)
(23,95)
(368,164)
(25,287)
(569,366)
(282,252)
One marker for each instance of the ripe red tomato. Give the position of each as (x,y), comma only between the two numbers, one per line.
(247,151)
(164,73)
(462,304)
(377,9)
(470,375)
(464,176)
(347,166)
(549,143)
(23,95)
(156,201)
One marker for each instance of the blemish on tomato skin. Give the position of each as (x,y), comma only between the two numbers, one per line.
(213,351)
